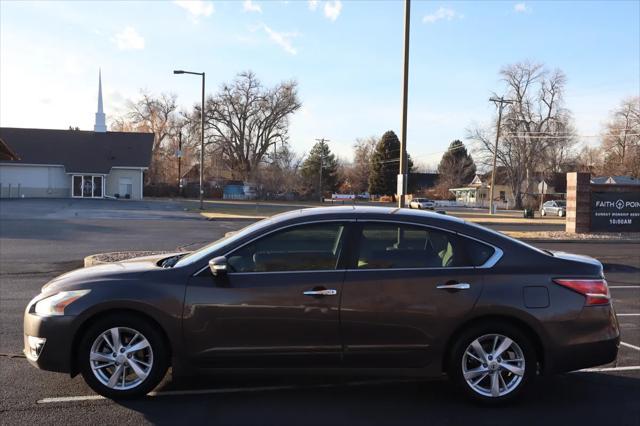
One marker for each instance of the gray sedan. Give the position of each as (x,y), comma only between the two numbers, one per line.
(356,290)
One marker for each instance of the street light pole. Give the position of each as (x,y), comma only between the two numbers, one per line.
(500,102)
(201,134)
(402,176)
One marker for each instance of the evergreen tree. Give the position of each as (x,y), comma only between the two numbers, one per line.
(456,167)
(320,154)
(385,165)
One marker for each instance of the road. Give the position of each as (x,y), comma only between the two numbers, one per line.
(38,242)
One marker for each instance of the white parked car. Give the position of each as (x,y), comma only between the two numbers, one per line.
(554,207)
(422,203)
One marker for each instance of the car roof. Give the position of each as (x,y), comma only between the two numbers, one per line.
(364,211)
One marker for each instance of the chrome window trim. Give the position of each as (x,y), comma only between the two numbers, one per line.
(271,232)
(489,263)
(302,271)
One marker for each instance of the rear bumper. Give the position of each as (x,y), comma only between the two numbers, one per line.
(591,340)
(585,355)
(56,353)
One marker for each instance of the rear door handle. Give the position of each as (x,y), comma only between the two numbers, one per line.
(328,292)
(456,286)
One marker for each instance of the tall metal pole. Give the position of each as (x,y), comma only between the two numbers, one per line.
(202,148)
(500,101)
(405,95)
(201,134)
(321,167)
(180,163)
(322,142)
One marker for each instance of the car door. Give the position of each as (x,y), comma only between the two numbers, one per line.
(406,288)
(277,305)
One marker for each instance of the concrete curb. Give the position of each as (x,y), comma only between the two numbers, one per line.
(599,241)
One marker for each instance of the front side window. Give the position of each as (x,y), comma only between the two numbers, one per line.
(302,248)
(389,246)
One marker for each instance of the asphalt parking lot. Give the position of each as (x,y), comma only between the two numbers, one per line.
(39,240)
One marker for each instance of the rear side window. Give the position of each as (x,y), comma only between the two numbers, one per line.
(389,246)
(300,248)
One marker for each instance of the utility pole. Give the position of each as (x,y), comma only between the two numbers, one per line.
(500,102)
(180,163)
(402,176)
(322,143)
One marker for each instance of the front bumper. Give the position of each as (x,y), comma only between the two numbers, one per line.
(57,352)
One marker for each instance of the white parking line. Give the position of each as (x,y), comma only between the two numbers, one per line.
(628,315)
(226,390)
(624,286)
(630,346)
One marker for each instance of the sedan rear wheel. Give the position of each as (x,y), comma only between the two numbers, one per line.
(122,357)
(493,362)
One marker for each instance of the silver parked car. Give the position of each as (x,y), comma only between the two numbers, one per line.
(422,203)
(554,207)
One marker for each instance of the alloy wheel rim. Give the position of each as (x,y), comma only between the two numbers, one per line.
(493,365)
(121,358)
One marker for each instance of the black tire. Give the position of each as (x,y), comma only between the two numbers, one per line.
(134,322)
(455,365)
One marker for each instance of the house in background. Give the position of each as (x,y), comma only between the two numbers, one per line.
(476,193)
(74,163)
(615,180)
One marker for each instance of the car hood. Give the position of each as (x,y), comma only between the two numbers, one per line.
(103,272)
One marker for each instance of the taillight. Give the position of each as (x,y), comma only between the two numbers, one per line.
(596,291)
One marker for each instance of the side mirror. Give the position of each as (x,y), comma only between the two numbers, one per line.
(218,266)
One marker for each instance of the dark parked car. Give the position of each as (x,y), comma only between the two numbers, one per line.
(336,289)
(554,207)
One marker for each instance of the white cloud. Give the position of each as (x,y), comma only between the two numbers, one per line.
(521,8)
(128,39)
(196,8)
(283,40)
(332,9)
(250,6)
(441,13)
(313,4)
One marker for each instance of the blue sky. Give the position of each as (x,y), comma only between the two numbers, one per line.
(346,57)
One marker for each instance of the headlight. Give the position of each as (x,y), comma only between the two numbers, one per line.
(54,305)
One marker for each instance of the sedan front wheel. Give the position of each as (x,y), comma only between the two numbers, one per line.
(493,362)
(122,356)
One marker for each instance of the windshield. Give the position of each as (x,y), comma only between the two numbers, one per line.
(561,203)
(205,251)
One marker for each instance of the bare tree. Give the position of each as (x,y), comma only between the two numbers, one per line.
(357,174)
(245,120)
(621,139)
(534,128)
(157,115)
(590,160)
(281,175)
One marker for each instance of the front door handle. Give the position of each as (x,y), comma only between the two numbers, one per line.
(456,286)
(328,292)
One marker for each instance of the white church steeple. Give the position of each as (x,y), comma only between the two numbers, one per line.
(100,125)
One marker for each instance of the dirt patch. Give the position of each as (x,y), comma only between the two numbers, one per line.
(119,256)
